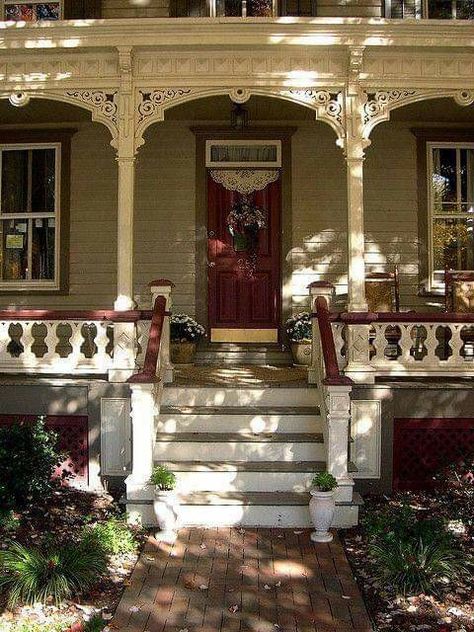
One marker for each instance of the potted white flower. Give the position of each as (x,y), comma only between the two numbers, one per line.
(322,506)
(185,332)
(300,333)
(166,502)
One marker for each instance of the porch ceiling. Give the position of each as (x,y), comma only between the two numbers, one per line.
(40,111)
(434,111)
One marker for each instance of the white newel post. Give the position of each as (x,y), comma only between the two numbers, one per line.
(337,439)
(143,411)
(358,347)
(163,287)
(125,340)
(326,290)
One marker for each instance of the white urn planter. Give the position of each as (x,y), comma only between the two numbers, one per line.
(321,509)
(165,507)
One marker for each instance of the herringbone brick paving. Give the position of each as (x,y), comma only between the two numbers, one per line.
(230,579)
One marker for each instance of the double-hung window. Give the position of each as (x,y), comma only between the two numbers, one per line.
(29,215)
(451,207)
(32,10)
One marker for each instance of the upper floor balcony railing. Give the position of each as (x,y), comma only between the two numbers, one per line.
(36,10)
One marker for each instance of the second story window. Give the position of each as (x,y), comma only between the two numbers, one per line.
(222,8)
(32,11)
(433,9)
(29,214)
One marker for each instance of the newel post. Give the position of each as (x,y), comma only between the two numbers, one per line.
(338,404)
(326,290)
(163,287)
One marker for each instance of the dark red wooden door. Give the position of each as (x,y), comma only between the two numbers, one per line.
(241,297)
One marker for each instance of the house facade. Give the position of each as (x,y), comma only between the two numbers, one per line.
(129,131)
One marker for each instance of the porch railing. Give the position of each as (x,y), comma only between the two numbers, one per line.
(62,342)
(405,344)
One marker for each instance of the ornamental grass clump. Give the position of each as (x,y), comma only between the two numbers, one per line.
(299,327)
(183,328)
(32,574)
(113,536)
(413,554)
(163,479)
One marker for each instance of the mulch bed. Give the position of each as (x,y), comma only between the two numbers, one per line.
(58,519)
(449,612)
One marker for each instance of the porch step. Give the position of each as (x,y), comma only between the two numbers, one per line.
(234,446)
(242,354)
(234,419)
(239,476)
(241,397)
(264,509)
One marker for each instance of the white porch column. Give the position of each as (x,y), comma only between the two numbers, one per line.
(163,287)
(326,290)
(125,345)
(358,348)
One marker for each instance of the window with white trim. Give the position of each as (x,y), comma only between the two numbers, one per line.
(29,215)
(451,205)
(32,11)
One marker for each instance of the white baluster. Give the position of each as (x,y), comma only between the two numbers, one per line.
(27,358)
(101,360)
(51,340)
(456,360)
(379,344)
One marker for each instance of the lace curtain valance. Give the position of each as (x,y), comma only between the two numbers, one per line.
(244,181)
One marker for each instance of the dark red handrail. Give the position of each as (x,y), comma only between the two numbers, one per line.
(129,316)
(148,373)
(333,376)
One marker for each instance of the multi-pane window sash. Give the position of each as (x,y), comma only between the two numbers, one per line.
(451,207)
(32,10)
(29,215)
(433,9)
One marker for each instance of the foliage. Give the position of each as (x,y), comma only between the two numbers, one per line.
(58,626)
(95,624)
(299,327)
(412,553)
(8,520)
(324,482)
(162,478)
(28,457)
(35,574)
(183,328)
(114,536)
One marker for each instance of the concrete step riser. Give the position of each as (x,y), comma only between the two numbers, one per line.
(246,516)
(189,482)
(170,422)
(291,397)
(238,451)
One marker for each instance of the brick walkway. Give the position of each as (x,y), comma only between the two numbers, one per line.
(260,580)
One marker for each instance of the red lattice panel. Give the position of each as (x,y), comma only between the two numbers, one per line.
(424,447)
(73,436)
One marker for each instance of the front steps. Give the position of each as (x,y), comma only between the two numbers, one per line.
(242,456)
(234,354)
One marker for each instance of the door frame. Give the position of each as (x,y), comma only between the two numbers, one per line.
(203,134)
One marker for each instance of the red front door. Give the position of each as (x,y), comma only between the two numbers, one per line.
(244,285)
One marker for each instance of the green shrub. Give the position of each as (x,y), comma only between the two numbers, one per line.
(32,574)
(413,566)
(8,520)
(324,482)
(113,536)
(28,457)
(95,624)
(412,553)
(162,478)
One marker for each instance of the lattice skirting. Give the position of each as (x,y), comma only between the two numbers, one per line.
(424,447)
(73,441)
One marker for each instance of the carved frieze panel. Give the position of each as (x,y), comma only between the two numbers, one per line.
(421,67)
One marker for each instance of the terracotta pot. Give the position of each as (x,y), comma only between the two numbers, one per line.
(182,352)
(301,353)
(165,507)
(321,509)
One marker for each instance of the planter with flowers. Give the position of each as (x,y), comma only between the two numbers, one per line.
(185,333)
(299,330)
(165,504)
(322,506)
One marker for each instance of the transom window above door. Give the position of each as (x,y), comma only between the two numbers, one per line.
(29,215)
(243,153)
(32,11)
(451,208)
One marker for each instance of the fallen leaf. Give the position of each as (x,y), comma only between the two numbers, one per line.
(134,608)
(345,597)
(203,587)
(241,531)
(234,608)
(297,532)
(107,616)
(278,584)
(267,587)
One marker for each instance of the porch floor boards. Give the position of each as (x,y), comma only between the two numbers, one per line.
(230,579)
(238,376)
